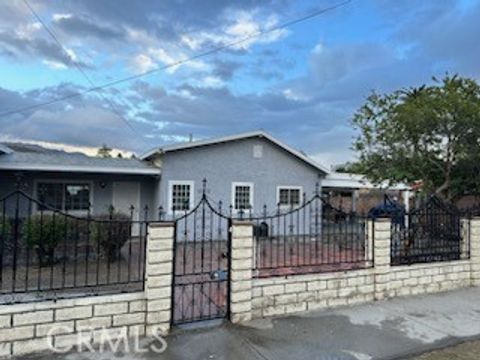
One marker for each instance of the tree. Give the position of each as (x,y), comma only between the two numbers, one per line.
(104,152)
(428,134)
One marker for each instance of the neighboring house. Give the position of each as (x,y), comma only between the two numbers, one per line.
(353,192)
(77,183)
(246,171)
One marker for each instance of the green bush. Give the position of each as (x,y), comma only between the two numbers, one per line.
(110,232)
(5,233)
(42,233)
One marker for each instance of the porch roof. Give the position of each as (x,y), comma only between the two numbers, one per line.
(356,181)
(26,157)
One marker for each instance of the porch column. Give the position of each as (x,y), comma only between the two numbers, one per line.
(159,273)
(241,271)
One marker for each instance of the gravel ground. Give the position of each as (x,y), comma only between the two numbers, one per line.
(466,351)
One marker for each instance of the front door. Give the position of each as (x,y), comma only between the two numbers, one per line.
(125,195)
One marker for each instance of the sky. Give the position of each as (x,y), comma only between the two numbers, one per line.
(301,83)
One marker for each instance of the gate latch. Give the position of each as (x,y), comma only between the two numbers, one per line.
(218,275)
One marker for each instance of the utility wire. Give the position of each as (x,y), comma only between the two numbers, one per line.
(80,69)
(180,62)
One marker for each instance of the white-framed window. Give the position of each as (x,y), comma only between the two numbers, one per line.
(242,196)
(180,196)
(73,196)
(289,196)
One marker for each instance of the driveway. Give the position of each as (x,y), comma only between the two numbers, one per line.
(394,329)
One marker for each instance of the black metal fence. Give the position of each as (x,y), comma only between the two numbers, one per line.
(432,232)
(48,254)
(312,236)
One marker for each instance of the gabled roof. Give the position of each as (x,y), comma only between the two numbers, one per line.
(28,157)
(225,139)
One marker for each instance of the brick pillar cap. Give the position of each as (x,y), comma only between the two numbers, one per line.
(238,222)
(161,224)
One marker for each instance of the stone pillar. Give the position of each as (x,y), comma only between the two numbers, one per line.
(475,250)
(381,257)
(241,271)
(465,238)
(159,273)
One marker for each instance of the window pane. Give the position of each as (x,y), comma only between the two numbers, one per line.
(242,197)
(294,196)
(283,197)
(289,197)
(181,197)
(51,195)
(77,197)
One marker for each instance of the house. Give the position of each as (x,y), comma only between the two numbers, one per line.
(76,183)
(246,171)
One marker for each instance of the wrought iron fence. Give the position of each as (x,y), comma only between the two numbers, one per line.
(49,254)
(310,237)
(201,263)
(433,232)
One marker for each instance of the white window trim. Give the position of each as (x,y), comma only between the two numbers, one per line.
(170,199)
(252,202)
(289,187)
(90,183)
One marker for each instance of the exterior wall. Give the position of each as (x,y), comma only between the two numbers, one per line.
(223,164)
(102,187)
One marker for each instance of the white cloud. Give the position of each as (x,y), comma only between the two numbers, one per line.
(54,65)
(238,26)
(142,63)
(57,17)
(212,81)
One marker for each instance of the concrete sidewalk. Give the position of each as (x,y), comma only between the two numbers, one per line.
(398,328)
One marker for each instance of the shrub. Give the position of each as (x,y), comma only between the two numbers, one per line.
(110,232)
(5,233)
(42,233)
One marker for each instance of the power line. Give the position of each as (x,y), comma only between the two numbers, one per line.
(180,62)
(79,68)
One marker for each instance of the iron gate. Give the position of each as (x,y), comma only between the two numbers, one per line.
(201,283)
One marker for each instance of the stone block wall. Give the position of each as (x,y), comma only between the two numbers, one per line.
(290,294)
(25,328)
(294,293)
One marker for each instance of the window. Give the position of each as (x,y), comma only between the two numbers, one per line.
(181,195)
(242,196)
(289,195)
(64,196)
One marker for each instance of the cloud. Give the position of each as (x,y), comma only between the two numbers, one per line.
(82,26)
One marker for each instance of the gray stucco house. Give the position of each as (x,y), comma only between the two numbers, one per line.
(246,171)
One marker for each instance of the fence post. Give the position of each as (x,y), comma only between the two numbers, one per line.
(381,256)
(369,232)
(465,238)
(158,277)
(475,250)
(241,271)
